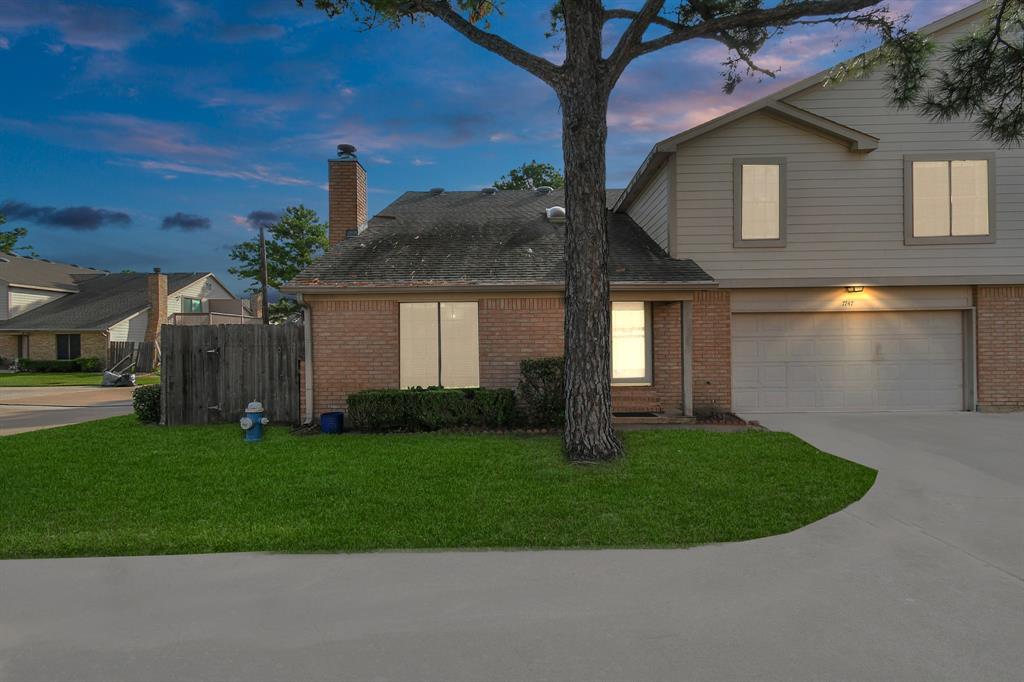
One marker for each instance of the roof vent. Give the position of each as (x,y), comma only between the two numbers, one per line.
(489,190)
(555,214)
(347,152)
(437,190)
(544,189)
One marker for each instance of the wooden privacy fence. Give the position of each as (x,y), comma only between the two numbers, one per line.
(143,353)
(210,373)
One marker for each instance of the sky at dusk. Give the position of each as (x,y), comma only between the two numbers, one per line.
(142,134)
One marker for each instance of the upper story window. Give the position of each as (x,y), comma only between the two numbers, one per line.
(191,305)
(439,344)
(631,343)
(759,204)
(949,200)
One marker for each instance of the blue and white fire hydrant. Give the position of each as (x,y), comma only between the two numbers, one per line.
(253,422)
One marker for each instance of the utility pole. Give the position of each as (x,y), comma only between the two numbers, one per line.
(263,275)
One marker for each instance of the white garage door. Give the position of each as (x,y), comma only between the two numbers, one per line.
(839,362)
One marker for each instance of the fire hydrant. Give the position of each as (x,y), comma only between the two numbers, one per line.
(253,422)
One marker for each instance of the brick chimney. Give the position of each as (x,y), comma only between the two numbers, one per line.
(156,294)
(346,194)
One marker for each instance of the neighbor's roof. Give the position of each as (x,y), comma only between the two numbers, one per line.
(773,105)
(100,303)
(477,239)
(40,273)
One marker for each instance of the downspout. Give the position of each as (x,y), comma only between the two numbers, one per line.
(307,365)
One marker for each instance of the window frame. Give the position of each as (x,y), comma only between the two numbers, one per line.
(186,303)
(440,340)
(68,337)
(909,238)
(648,379)
(737,201)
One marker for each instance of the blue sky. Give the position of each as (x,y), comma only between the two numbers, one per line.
(142,134)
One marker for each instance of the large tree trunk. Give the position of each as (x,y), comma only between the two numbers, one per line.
(583,94)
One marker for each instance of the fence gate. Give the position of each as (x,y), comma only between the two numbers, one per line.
(210,373)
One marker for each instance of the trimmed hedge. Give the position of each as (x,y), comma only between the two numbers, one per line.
(541,391)
(146,403)
(430,409)
(76,365)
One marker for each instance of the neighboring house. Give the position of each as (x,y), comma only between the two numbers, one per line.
(864,258)
(59,311)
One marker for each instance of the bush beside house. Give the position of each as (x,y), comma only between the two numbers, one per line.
(541,391)
(430,409)
(76,365)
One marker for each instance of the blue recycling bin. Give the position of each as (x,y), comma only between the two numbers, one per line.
(332,422)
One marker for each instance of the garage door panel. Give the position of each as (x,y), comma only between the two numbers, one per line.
(799,362)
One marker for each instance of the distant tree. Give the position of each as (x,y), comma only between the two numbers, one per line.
(531,176)
(293,242)
(9,239)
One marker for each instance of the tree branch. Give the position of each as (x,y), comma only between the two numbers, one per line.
(781,15)
(538,66)
(631,38)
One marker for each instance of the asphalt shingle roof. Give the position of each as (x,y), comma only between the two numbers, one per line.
(471,238)
(100,302)
(38,272)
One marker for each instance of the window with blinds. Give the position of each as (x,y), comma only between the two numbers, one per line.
(439,344)
(759,204)
(950,198)
(631,342)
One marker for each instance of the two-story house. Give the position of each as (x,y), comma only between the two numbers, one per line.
(816,250)
(59,311)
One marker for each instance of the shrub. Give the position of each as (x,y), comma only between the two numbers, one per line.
(146,403)
(76,365)
(541,392)
(430,409)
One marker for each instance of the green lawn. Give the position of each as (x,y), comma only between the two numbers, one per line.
(119,487)
(23,379)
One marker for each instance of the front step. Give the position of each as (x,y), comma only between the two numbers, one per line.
(664,419)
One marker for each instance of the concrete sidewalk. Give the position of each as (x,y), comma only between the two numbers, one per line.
(31,409)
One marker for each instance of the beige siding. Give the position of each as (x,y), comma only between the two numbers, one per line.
(131,329)
(650,209)
(845,209)
(3,300)
(204,289)
(23,300)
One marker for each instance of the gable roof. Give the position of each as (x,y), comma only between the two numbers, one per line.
(474,239)
(39,273)
(99,303)
(773,105)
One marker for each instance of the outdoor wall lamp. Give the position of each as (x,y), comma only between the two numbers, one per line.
(855,288)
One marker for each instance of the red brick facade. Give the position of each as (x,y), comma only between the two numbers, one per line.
(356,347)
(346,200)
(712,352)
(1000,347)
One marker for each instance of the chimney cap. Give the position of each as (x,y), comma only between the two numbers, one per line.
(156,270)
(346,151)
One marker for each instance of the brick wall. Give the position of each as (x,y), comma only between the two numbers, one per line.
(355,347)
(94,345)
(712,352)
(1000,347)
(43,345)
(513,329)
(8,346)
(346,198)
(156,294)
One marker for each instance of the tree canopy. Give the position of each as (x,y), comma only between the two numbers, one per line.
(293,242)
(9,239)
(531,176)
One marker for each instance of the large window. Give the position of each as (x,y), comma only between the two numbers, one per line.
(191,305)
(949,200)
(631,343)
(69,346)
(760,202)
(439,344)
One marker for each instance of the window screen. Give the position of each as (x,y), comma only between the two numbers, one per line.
(761,202)
(630,342)
(439,344)
(69,346)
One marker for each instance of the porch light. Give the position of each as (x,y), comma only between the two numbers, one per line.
(855,288)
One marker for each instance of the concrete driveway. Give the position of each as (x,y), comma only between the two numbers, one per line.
(31,409)
(921,580)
